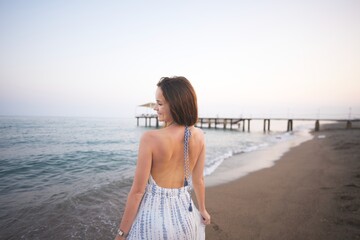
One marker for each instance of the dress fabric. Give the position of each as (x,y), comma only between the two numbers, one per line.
(164,214)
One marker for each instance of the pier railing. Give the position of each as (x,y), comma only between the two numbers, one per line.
(240,123)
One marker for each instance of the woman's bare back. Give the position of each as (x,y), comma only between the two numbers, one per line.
(168,154)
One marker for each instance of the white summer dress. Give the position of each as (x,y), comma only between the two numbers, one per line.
(167,213)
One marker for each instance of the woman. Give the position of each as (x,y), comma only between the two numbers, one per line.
(170,163)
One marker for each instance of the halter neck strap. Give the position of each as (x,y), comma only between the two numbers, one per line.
(187,161)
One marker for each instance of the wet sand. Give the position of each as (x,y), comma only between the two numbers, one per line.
(312,192)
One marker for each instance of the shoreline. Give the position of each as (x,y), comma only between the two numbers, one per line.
(312,192)
(240,165)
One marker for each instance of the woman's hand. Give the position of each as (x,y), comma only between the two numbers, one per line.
(119,237)
(205,217)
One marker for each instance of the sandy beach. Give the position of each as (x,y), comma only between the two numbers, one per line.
(312,192)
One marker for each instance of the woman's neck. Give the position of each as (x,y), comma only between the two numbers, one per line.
(171,123)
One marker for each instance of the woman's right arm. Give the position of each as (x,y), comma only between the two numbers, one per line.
(199,185)
(141,177)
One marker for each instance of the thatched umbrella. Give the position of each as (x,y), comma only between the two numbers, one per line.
(149,105)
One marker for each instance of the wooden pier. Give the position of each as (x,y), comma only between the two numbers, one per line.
(231,122)
(147,118)
(244,123)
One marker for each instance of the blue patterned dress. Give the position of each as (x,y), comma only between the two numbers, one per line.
(164,214)
(167,213)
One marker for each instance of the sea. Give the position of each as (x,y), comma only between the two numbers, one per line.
(68,177)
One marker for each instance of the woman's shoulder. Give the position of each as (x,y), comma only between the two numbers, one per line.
(197,130)
(163,132)
(198,133)
(150,134)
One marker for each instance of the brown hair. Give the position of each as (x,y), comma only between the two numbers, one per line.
(181,96)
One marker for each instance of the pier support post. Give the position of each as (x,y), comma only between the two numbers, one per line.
(225,120)
(264,125)
(317,126)
(137,119)
(268,125)
(209,122)
(231,123)
(216,123)
(243,125)
(201,123)
(157,122)
(248,125)
(348,124)
(290,125)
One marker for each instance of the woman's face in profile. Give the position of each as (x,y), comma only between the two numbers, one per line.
(162,107)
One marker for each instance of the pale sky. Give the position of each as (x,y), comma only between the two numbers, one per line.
(103,58)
